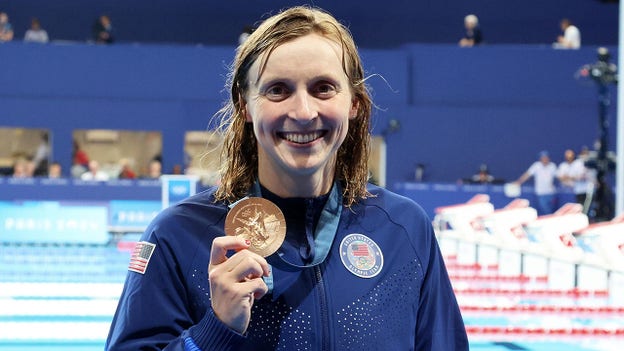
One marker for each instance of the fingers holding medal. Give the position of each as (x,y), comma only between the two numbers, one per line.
(260,221)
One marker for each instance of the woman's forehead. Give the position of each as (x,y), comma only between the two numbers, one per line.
(308,49)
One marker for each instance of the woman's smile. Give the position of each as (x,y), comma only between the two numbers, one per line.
(302,137)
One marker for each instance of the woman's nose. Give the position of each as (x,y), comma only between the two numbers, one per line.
(303,107)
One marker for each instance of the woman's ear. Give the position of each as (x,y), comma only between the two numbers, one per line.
(353,113)
(247,114)
(244,109)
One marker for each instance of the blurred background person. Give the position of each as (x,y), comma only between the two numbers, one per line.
(573,174)
(6,30)
(55,170)
(80,160)
(544,173)
(177,169)
(571,38)
(126,171)
(20,168)
(30,168)
(473,35)
(591,178)
(36,34)
(94,172)
(154,170)
(247,30)
(103,30)
(42,156)
(483,176)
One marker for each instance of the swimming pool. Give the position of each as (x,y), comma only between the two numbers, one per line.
(63,297)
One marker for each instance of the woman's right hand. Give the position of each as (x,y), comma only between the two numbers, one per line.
(236,281)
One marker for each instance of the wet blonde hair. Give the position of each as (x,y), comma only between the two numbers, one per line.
(239,155)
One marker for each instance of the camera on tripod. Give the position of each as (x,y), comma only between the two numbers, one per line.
(602,71)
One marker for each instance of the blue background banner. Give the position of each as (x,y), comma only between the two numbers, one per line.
(51,222)
(132,215)
(176,188)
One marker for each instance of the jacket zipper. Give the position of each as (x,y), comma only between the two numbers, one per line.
(325,335)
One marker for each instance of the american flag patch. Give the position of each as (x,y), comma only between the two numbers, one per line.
(359,249)
(141,256)
(361,255)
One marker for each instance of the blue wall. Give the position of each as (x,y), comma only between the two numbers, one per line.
(388,23)
(68,87)
(457,108)
(495,105)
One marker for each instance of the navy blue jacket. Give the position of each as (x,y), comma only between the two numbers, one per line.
(400,299)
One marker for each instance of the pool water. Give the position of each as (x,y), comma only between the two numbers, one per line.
(63,297)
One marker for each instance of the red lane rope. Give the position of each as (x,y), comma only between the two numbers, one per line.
(126,245)
(534,292)
(587,331)
(470,266)
(500,278)
(606,310)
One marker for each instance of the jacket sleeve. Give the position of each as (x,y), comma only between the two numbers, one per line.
(154,312)
(440,326)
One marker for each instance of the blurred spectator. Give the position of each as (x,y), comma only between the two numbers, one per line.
(80,161)
(20,168)
(79,156)
(571,38)
(42,155)
(584,156)
(419,172)
(177,169)
(473,35)
(154,170)
(36,34)
(126,170)
(573,174)
(94,172)
(543,172)
(103,30)
(247,30)
(483,176)
(55,170)
(30,168)
(6,30)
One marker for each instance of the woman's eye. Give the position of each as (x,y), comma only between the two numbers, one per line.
(326,90)
(276,91)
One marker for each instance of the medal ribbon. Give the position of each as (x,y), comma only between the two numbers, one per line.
(324,234)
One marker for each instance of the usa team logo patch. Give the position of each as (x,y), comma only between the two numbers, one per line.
(361,255)
(140,256)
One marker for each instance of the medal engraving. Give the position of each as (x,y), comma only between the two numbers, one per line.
(260,221)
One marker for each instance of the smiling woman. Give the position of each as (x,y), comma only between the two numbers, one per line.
(241,167)
(300,114)
(350,265)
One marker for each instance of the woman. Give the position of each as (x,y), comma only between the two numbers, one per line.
(358,268)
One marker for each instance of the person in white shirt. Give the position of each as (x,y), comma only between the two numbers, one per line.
(36,34)
(571,38)
(544,173)
(94,173)
(572,173)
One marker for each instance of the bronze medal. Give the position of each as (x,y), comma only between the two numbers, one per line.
(260,221)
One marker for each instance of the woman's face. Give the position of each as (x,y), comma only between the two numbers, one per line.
(300,108)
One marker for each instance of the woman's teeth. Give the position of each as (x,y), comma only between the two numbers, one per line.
(301,138)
